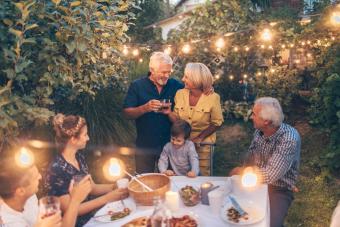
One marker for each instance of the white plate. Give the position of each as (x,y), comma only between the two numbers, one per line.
(182,212)
(114,207)
(255,214)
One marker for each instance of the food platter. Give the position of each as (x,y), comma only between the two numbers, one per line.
(115,211)
(255,214)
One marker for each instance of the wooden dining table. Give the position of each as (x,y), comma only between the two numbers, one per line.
(257,195)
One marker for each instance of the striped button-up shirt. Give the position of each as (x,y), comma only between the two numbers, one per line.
(277,156)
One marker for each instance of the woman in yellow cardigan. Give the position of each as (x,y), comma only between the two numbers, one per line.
(201,107)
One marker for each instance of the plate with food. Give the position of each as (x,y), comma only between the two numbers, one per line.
(190,195)
(184,219)
(115,211)
(231,215)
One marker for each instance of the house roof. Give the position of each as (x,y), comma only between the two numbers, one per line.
(182,14)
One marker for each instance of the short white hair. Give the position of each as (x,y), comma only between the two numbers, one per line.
(270,110)
(200,75)
(159,57)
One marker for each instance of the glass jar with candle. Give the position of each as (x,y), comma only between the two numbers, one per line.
(161,215)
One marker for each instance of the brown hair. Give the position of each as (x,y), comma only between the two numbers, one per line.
(181,127)
(67,127)
(12,177)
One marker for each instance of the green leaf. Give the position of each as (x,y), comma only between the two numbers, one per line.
(7,22)
(10,73)
(29,40)
(15,32)
(21,66)
(70,47)
(31,27)
(56,2)
(76,3)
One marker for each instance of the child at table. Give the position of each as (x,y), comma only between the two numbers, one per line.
(179,157)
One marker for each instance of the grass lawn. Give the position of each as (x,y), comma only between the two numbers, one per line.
(318,195)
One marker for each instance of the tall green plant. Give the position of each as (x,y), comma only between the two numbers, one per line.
(50,46)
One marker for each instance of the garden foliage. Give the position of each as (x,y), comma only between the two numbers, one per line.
(54,47)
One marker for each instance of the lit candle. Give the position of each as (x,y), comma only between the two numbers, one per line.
(249,178)
(205,189)
(172,200)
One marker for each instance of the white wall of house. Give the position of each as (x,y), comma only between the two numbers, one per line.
(190,4)
(171,24)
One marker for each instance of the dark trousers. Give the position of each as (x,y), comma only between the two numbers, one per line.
(146,163)
(280,200)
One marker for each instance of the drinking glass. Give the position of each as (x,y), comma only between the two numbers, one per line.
(48,206)
(166,104)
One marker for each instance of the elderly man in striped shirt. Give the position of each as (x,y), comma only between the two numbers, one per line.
(275,151)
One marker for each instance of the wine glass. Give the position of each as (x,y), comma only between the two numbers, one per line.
(48,206)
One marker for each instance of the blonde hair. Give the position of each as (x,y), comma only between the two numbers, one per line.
(200,75)
(270,110)
(159,57)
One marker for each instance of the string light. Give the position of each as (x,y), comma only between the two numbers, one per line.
(135,52)
(259,74)
(272,70)
(263,46)
(24,157)
(335,18)
(235,49)
(270,47)
(168,50)
(186,48)
(141,60)
(308,42)
(125,50)
(283,46)
(291,45)
(245,76)
(246,48)
(266,35)
(309,55)
(220,43)
(231,77)
(217,76)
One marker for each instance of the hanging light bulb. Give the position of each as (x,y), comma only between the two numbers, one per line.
(266,35)
(259,73)
(231,77)
(263,46)
(217,76)
(245,76)
(24,157)
(283,46)
(270,47)
(235,49)
(125,50)
(141,60)
(246,48)
(186,48)
(135,52)
(220,43)
(335,18)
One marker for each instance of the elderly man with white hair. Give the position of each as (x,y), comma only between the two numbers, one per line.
(275,152)
(143,104)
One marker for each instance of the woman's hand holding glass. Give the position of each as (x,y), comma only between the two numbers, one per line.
(54,220)
(79,191)
(118,194)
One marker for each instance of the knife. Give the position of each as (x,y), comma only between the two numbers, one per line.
(237,206)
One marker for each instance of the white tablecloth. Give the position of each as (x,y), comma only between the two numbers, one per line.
(206,218)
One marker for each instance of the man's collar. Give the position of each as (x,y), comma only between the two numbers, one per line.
(274,136)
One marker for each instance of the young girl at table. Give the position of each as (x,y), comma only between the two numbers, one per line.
(179,157)
(71,138)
